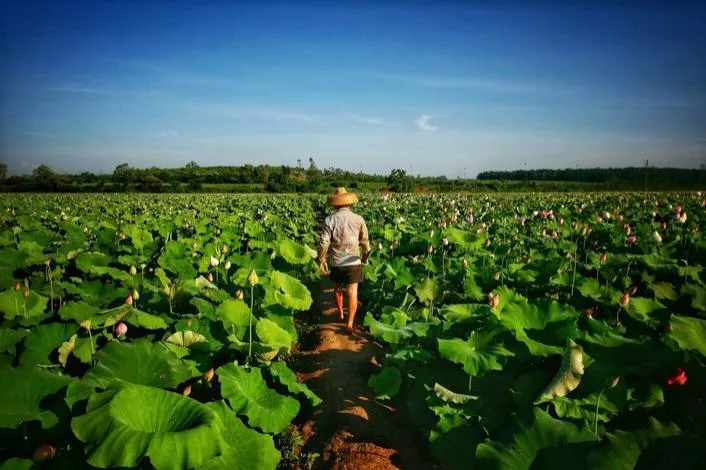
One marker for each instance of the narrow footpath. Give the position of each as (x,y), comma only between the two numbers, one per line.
(351,430)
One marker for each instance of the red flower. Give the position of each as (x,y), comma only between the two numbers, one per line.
(678,379)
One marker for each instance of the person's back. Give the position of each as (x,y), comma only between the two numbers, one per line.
(342,234)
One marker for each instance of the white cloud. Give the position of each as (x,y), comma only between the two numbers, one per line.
(423,124)
(167,134)
(371,120)
(236,112)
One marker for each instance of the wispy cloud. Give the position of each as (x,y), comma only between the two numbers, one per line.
(423,123)
(376,121)
(478,83)
(236,112)
(166,134)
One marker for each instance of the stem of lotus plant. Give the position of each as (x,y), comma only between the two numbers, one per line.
(252,290)
(470,383)
(595,417)
(90,341)
(617,314)
(627,275)
(51,288)
(573,278)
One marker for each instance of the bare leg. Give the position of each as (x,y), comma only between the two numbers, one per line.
(338,298)
(352,303)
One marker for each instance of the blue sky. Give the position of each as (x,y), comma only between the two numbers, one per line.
(435,87)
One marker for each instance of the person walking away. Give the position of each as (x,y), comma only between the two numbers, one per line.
(342,235)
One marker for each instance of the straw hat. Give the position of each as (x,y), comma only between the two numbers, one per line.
(343,198)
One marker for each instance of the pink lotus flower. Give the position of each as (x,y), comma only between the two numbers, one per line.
(624,300)
(120,329)
(632,239)
(493,299)
(678,378)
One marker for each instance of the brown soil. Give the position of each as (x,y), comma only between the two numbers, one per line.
(352,430)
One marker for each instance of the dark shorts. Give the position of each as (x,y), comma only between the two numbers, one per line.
(347,274)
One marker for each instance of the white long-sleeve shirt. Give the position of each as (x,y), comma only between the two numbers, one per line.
(341,236)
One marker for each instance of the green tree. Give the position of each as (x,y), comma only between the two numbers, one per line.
(3,171)
(44,177)
(399,182)
(123,174)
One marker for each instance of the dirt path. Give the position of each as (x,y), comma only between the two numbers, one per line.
(352,430)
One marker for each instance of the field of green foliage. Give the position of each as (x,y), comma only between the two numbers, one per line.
(521,331)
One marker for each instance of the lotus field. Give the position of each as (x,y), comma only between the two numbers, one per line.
(520,331)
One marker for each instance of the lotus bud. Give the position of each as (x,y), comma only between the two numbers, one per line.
(589,312)
(17,286)
(614,382)
(208,375)
(188,321)
(464,263)
(624,299)
(214,261)
(554,235)
(129,300)
(431,234)
(632,291)
(656,236)
(44,453)
(224,249)
(239,294)
(628,230)
(120,329)
(496,275)
(493,299)
(682,218)
(677,209)
(604,257)
(379,246)
(585,230)
(133,270)
(445,241)
(252,278)
(194,245)
(632,239)
(26,293)
(187,390)
(430,249)
(135,294)
(487,242)
(210,277)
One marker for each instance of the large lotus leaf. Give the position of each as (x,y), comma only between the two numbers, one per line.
(235,315)
(458,313)
(622,449)
(139,236)
(664,291)
(450,396)
(520,451)
(287,378)
(16,463)
(244,448)
(123,425)
(569,375)
(14,304)
(480,353)
(98,293)
(290,292)
(249,395)
(186,338)
(284,318)
(456,447)
(43,341)
(88,262)
(426,290)
(135,317)
(543,327)
(140,362)
(9,339)
(690,333)
(78,311)
(22,392)
(386,383)
(467,240)
(650,311)
(272,335)
(177,260)
(697,293)
(395,332)
(293,252)
(589,408)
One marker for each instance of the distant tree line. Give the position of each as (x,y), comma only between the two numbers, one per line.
(621,178)
(287,179)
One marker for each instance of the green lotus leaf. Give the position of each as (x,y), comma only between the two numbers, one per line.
(664,291)
(294,252)
(569,375)
(467,240)
(140,362)
(690,333)
(135,317)
(177,260)
(479,354)
(426,290)
(272,335)
(249,395)
(451,397)
(697,293)
(529,440)
(88,262)
(397,330)
(16,463)
(9,339)
(22,392)
(43,341)
(186,338)
(29,309)
(78,311)
(650,311)
(386,383)
(471,288)
(459,313)
(244,448)
(457,446)
(65,349)
(235,316)
(204,307)
(290,292)
(287,378)
(123,425)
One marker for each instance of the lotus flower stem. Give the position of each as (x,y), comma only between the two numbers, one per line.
(573,278)
(470,383)
(627,275)
(595,416)
(252,290)
(90,340)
